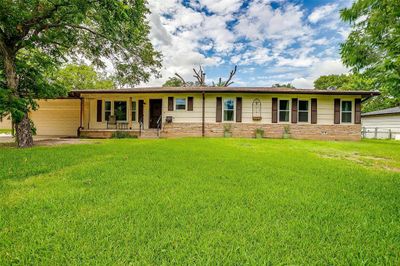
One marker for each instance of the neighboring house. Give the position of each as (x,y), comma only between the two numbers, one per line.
(5,122)
(205,111)
(382,124)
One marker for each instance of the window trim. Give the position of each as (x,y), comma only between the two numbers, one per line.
(134,117)
(289,110)
(351,112)
(181,110)
(104,109)
(223,110)
(308,111)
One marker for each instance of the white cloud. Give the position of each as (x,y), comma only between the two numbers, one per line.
(221,6)
(320,68)
(322,12)
(272,37)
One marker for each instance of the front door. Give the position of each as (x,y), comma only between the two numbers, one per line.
(155,112)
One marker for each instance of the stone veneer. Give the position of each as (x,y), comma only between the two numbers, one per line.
(247,130)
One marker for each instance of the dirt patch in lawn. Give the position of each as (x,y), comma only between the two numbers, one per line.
(376,162)
(50,142)
(61,141)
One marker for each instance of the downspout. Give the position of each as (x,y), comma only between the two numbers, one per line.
(203,116)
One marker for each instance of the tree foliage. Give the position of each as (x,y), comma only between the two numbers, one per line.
(173,82)
(37,36)
(372,48)
(279,85)
(82,77)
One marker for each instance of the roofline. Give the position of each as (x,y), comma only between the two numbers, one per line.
(259,90)
(392,113)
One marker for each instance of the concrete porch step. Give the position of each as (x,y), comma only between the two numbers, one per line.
(149,134)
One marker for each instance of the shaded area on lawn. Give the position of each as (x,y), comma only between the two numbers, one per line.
(202,201)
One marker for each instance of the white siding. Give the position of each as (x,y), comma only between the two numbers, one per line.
(383,123)
(325,113)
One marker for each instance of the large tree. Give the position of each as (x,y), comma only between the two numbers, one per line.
(82,77)
(372,48)
(48,32)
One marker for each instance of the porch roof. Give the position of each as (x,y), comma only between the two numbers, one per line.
(268,90)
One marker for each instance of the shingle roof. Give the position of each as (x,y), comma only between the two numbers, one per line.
(393,110)
(225,90)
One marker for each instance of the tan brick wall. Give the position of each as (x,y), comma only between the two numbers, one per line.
(247,130)
(103,134)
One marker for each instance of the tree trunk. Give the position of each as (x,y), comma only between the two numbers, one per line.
(23,132)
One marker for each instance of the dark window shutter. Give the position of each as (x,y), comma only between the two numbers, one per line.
(170,103)
(140,111)
(99,110)
(357,113)
(314,108)
(294,110)
(337,111)
(190,104)
(218,117)
(239,109)
(274,110)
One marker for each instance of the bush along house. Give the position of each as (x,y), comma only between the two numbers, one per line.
(205,112)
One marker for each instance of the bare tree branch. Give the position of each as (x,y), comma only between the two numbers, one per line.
(229,82)
(180,77)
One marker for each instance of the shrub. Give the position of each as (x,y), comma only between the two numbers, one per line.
(259,133)
(122,135)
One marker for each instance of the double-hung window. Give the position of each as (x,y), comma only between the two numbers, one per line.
(229,110)
(107,110)
(303,111)
(284,111)
(134,111)
(180,104)
(346,111)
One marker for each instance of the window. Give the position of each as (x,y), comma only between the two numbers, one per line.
(346,111)
(303,111)
(120,110)
(284,111)
(133,111)
(107,110)
(180,104)
(229,110)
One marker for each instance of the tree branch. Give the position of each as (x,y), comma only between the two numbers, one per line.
(228,82)
(180,77)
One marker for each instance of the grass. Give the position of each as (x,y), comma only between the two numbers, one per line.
(6,131)
(201,201)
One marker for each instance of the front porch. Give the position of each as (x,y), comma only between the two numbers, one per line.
(103,115)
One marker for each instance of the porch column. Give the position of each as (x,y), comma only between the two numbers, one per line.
(130,113)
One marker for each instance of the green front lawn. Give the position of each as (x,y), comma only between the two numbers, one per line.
(201,201)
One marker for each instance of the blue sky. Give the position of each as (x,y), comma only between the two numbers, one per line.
(270,41)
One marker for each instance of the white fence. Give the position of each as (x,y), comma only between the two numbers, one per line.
(380,133)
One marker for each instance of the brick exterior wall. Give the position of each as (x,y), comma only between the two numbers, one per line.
(247,130)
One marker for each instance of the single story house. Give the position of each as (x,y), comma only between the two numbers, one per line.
(382,124)
(204,111)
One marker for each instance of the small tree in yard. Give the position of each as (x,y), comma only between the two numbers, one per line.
(36,36)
